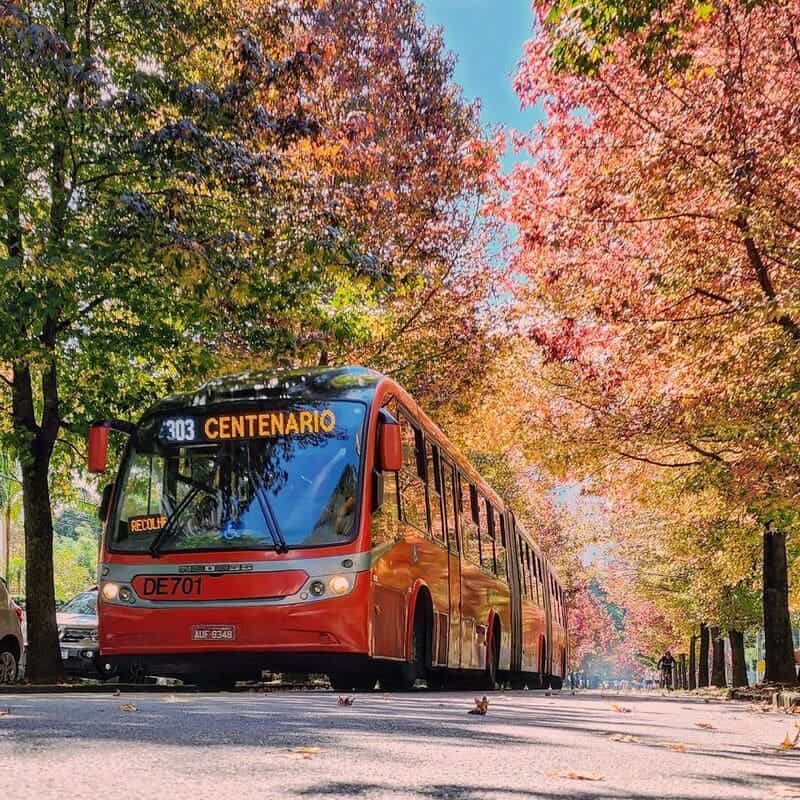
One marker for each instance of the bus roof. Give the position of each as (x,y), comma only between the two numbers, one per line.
(300,385)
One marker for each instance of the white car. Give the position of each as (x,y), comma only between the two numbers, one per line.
(10,636)
(77,634)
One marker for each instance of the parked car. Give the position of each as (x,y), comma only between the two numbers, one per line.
(11,647)
(77,634)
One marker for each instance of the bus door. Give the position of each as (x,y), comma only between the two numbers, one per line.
(453,563)
(515,567)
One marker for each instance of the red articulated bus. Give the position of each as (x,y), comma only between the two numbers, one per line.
(315,521)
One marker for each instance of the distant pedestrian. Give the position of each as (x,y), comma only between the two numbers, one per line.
(666,664)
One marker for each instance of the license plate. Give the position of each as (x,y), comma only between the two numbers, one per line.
(213,633)
(168,587)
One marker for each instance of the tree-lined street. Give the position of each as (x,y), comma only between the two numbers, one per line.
(393,747)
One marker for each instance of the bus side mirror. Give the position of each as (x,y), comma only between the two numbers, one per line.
(390,447)
(105,502)
(98,448)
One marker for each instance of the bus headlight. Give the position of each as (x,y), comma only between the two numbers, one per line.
(125,594)
(110,591)
(338,584)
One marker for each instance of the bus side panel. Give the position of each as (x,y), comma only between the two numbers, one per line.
(534,631)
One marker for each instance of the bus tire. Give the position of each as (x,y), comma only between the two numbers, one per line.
(403,677)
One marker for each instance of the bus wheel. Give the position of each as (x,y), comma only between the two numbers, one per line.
(403,677)
(352,682)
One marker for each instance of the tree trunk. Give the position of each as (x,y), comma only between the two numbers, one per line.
(778,648)
(702,667)
(44,658)
(717,659)
(44,662)
(738,663)
(692,684)
(682,671)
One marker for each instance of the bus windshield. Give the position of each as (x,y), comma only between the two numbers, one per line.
(241,479)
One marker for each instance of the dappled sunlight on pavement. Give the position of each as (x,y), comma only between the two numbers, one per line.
(421,745)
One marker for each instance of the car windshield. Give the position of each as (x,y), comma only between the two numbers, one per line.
(85,603)
(242,479)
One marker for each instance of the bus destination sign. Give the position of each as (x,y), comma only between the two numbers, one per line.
(246,425)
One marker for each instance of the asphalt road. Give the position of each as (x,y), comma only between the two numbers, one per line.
(422,745)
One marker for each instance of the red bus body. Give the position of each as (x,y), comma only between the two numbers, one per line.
(442,582)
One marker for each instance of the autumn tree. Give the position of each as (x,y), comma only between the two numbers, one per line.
(187,185)
(658,224)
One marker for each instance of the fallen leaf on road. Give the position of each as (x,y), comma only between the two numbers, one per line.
(785,791)
(128,707)
(345,701)
(706,725)
(577,776)
(481,706)
(620,709)
(788,743)
(622,737)
(5,712)
(305,751)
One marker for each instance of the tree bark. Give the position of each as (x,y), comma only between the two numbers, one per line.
(692,684)
(778,647)
(717,659)
(682,671)
(43,659)
(702,667)
(738,663)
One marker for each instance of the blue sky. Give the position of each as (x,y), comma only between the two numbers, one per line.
(488,38)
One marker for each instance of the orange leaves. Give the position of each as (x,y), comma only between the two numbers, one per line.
(620,709)
(481,706)
(576,776)
(789,743)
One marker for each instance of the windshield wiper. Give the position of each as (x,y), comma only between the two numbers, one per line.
(266,510)
(166,531)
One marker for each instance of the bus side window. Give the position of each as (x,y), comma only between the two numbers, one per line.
(469,525)
(540,580)
(491,541)
(523,569)
(500,545)
(531,590)
(448,487)
(484,534)
(413,509)
(434,491)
